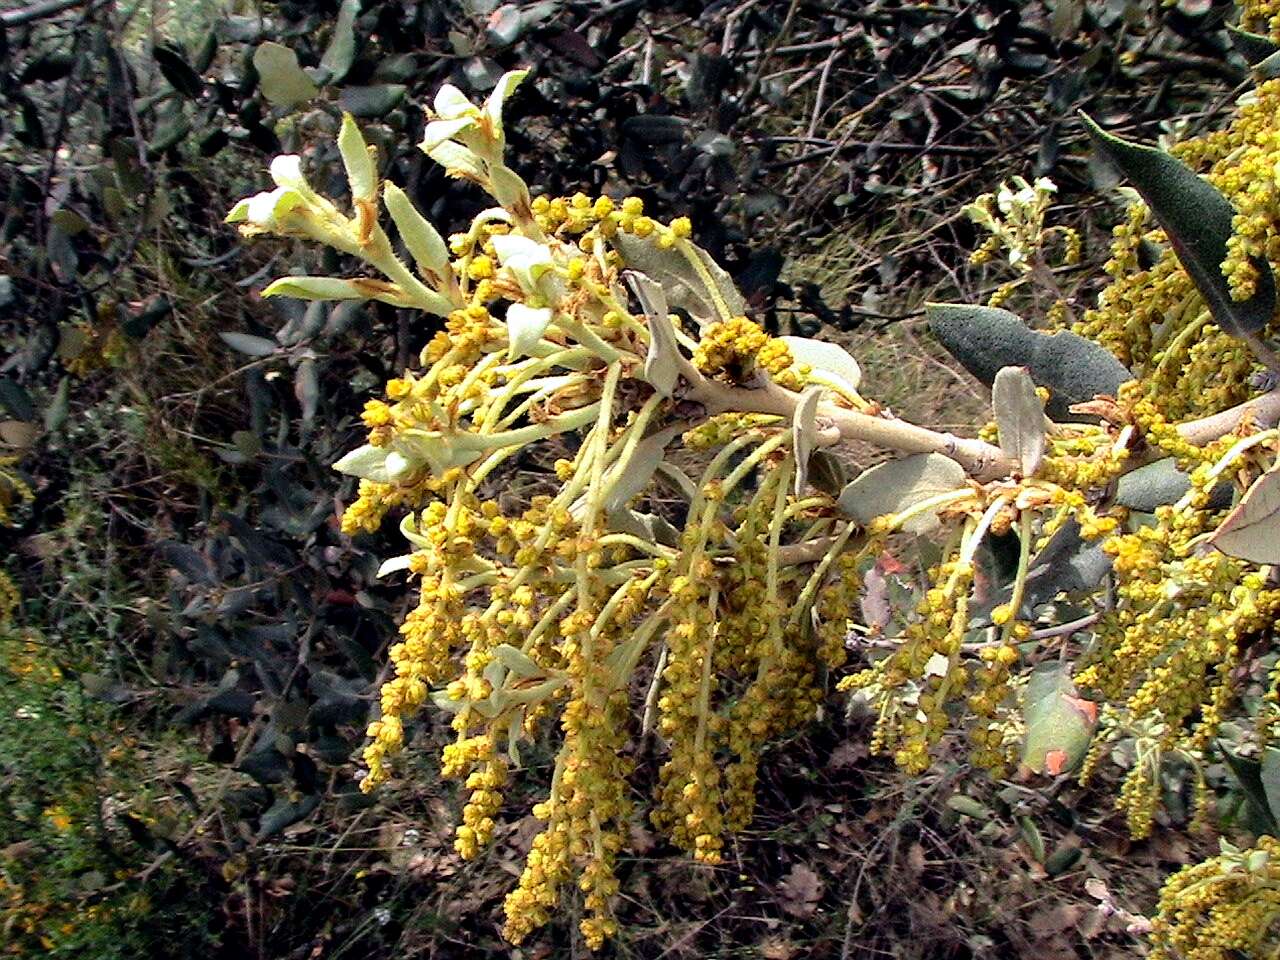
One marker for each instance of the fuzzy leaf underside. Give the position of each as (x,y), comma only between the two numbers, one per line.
(1019,414)
(1252,530)
(680,281)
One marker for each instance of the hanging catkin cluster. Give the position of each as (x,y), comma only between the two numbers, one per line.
(693,573)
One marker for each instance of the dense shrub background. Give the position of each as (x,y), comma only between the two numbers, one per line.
(188,677)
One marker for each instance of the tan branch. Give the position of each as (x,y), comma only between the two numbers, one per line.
(1263,411)
(982,460)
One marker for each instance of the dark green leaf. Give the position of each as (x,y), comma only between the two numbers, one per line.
(1197,219)
(31,130)
(1161,483)
(241,28)
(62,255)
(48,68)
(827,472)
(169,132)
(1062,860)
(1248,773)
(1032,838)
(155,312)
(129,176)
(373,101)
(1269,776)
(654,129)
(397,69)
(173,63)
(285,813)
(188,561)
(69,222)
(1254,47)
(211,144)
(208,50)
(15,399)
(1269,68)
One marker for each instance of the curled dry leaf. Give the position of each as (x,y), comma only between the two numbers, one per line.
(801,891)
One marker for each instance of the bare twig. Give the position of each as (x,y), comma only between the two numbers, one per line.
(39,11)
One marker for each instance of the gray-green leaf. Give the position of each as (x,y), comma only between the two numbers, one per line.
(517,661)
(986,339)
(804,431)
(1254,47)
(341,51)
(895,486)
(1197,219)
(248,344)
(662,363)
(1059,722)
(827,358)
(679,279)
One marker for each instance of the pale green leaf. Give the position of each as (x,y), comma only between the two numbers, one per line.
(283,82)
(423,241)
(367,463)
(517,661)
(804,432)
(362,173)
(458,161)
(525,327)
(394,564)
(1059,723)
(498,98)
(317,288)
